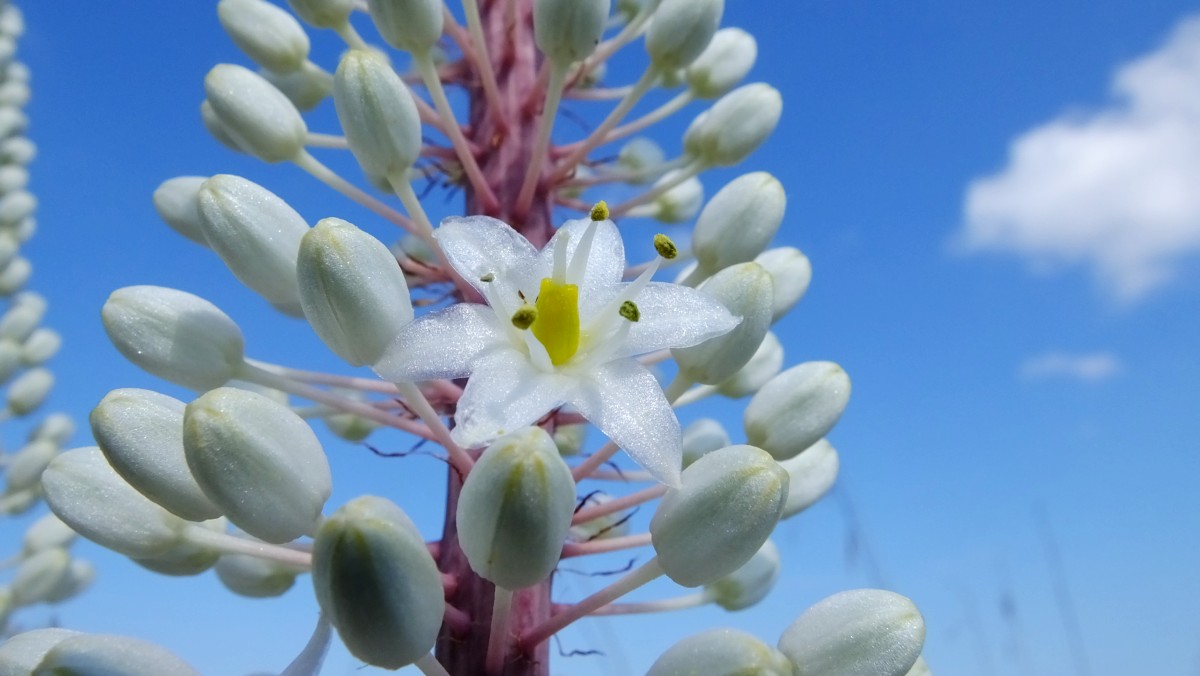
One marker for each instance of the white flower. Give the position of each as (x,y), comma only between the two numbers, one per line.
(583,328)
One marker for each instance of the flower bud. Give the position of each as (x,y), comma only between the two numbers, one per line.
(16,206)
(38,574)
(26,465)
(14,275)
(14,94)
(739,221)
(17,150)
(701,437)
(101,655)
(735,126)
(750,583)
(680,31)
(350,426)
(175,200)
(25,230)
(412,25)
(762,367)
(10,359)
(568,30)
(377,583)
(140,432)
(21,318)
(256,116)
(12,122)
(78,577)
(863,632)
(569,438)
(721,652)
(745,289)
(257,461)
(9,246)
(639,156)
(217,128)
(174,335)
(811,474)
(377,113)
(323,13)
(186,557)
(305,87)
(29,390)
(266,33)
(796,408)
(253,577)
(20,501)
(47,532)
(611,525)
(515,509)
(723,64)
(791,271)
(919,668)
(728,505)
(675,205)
(57,428)
(20,654)
(90,497)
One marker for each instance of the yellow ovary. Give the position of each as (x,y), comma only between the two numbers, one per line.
(557,323)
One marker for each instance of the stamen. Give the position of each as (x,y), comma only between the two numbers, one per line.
(524,317)
(627,294)
(629,310)
(579,260)
(560,258)
(600,211)
(665,247)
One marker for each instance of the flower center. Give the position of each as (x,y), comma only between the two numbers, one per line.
(557,323)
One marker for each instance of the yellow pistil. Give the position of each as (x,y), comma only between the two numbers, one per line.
(557,323)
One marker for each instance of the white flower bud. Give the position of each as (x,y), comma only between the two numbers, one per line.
(721,652)
(20,654)
(78,577)
(38,575)
(107,655)
(14,94)
(255,115)
(676,205)
(812,474)
(17,150)
(253,577)
(568,30)
(701,437)
(21,318)
(350,426)
(20,501)
(791,271)
(258,462)
(920,668)
(175,200)
(412,25)
(377,113)
(15,70)
(515,509)
(174,335)
(745,289)
(14,275)
(739,222)
(9,247)
(352,291)
(186,557)
(863,632)
(266,33)
(217,128)
(90,497)
(305,87)
(25,230)
(377,583)
(47,532)
(762,367)
(29,390)
(323,13)
(257,235)
(10,359)
(57,428)
(16,206)
(612,525)
(750,583)
(640,155)
(12,121)
(723,64)
(12,22)
(26,465)
(569,438)
(728,505)
(141,435)
(12,178)
(796,408)
(735,126)
(680,31)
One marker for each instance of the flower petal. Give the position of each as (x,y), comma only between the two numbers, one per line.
(441,344)
(481,245)
(505,393)
(623,399)
(674,316)
(605,258)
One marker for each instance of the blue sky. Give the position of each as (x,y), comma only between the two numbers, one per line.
(1004,262)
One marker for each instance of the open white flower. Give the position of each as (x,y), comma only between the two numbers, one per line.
(560,328)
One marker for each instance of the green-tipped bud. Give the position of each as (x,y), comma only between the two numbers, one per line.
(377,113)
(568,30)
(305,87)
(175,200)
(791,271)
(701,437)
(253,577)
(141,435)
(20,654)
(90,497)
(735,126)
(762,367)
(721,652)
(515,508)
(186,557)
(739,221)
(676,205)
(257,235)
(38,575)
(812,473)
(47,532)
(723,64)
(412,25)
(29,390)
(569,438)
(174,335)
(745,289)
(681,30)
(350,426)
(105,655)
(271,37)
(255,115)
(611,525)
(323,13)
(750,583)
(728,505)
(640,156)
(257,461)
(797,408)
(863,632)
(25,467)
(217,128)
(377,583)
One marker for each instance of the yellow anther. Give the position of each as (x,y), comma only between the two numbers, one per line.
(524,317)
(557,323)
(665,247)
(600,211)
(629,310)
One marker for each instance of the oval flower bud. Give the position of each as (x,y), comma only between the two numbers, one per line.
(102,655)
(811,474)
(78,577)
(21,653)
(791,271)
(140,432)
(377,113)
(515,509)
(750,583)
(675,205)
(266,33)
(412,25)
(797,408)
(57,428)
(255,115)
(735,126)
(10,359)
(16,206)
(29,390)
(723,64)
(25,467)
(90,497)
(680,31)
(176,201)
(21,318)
(17,150)
(186,557)
(253,577)
(569,438)
(305,87)
(745,289)
(721,652)
(257,235)
(352,291)
(257,461)
(174,335)
(217,128)
(38,575)
(920,668)
(47,532)
(639,156)
(701,437)
(568,30)
(762,367)
(728,505)
(739,222)
(323,13)
(863,632)
(377,583)
(9,246)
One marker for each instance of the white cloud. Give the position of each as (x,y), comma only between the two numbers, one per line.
(1117,190)
(1092,367)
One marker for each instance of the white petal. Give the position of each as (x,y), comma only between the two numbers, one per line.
(505,393)
(624,400)
(441,344)
(674,316)
(480,245)
(605,258)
